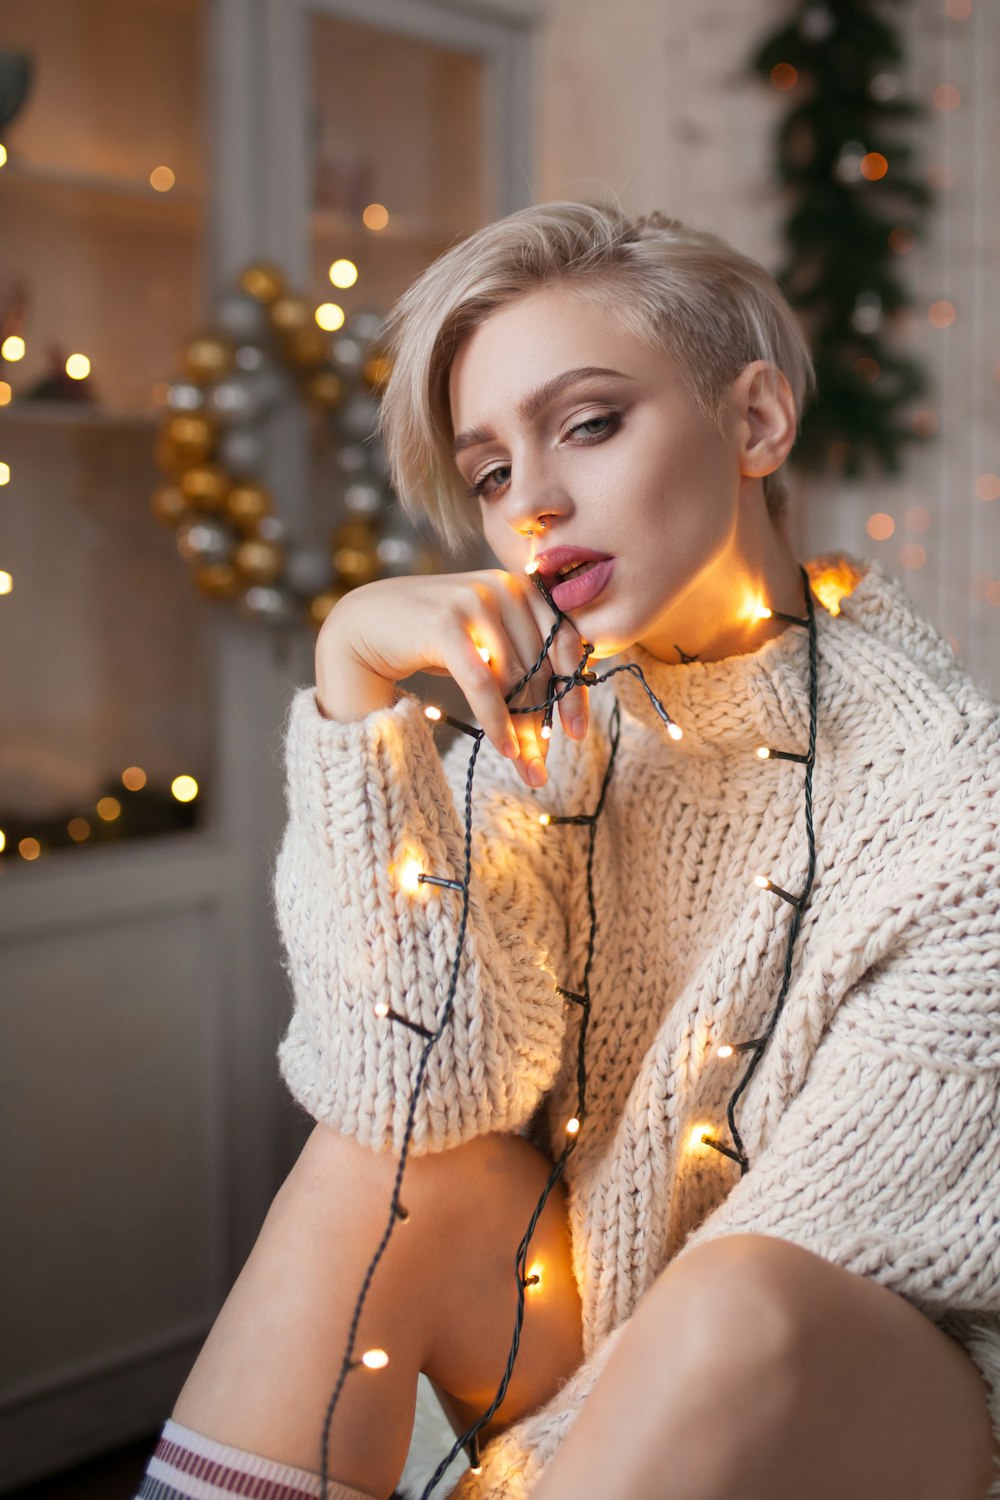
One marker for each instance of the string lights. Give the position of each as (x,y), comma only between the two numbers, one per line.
(411,878)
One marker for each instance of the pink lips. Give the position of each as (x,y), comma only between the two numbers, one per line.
(580,590)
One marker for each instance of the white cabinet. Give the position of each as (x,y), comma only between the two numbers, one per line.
(144,1127)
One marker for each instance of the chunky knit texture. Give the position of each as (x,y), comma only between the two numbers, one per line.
(871,1122)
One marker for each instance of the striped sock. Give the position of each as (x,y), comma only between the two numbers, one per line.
(188,1466)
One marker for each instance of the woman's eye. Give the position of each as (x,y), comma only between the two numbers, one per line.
(480,490)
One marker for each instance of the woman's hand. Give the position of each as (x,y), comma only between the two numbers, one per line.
(382,632)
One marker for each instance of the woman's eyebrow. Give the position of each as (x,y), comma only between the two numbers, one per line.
(531,404)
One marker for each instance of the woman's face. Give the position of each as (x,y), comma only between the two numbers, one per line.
(622,462)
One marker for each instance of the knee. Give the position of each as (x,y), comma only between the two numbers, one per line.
(729,1309)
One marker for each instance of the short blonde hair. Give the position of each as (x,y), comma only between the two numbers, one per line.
(682,290)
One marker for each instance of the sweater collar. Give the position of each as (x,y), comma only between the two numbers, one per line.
(741,702)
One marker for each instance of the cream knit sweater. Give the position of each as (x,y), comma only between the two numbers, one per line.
(871,1122)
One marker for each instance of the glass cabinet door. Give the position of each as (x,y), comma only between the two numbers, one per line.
(104,676)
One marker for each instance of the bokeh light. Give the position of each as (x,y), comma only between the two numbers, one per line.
(880,526)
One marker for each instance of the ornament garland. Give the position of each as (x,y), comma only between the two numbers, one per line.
(265,350)
(827,588)
(854,210)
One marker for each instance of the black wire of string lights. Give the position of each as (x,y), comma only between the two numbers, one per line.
(377,1358)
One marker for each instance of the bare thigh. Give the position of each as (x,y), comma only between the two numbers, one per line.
(442,1300)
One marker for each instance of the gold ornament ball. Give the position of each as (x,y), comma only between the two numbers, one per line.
(326,387)
(260,561)
(375,372)
(320,605)
(170,506)
(247,504)
(192,436)
(263,281)
(291,314)
(306,347)
(166,455)
(208,356)
(218,580)
(206,487)
(355,554)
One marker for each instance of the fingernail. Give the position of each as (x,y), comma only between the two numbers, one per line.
(536,773)
(579,727)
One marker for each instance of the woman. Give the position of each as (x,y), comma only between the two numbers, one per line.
(795,1293)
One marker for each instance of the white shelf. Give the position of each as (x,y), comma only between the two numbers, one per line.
(122,194)
(67,414)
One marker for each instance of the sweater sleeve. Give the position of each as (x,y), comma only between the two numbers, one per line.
(370,803)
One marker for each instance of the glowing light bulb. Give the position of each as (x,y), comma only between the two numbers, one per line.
(375,216)
(697,1137)
(762,881)
(12,348)
(329,316)
(483,653)
(381,1008)
(546,732)
(545,819)
(4,473)
(675,731)
(6,582)
(478,1469)
(78,367)
(432,712)
(724,1051)
(531,567)
(409,876)
(343,273)
(572,1126)
(763,613)
(533,1278)
(161,179)
(763,753)
(3,156)
(375,1359)
(184,788)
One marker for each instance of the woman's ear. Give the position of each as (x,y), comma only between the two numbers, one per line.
(766,418)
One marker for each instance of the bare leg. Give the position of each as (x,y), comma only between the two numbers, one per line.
(442,1300)
(755,1368)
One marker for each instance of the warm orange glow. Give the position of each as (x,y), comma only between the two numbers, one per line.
(832,579)
(880,526)
(343,273)
(184,788)
(12,348)
(409,871)
(917,518)
(784,76)
(375,216)
(134,778)
(946,97)
(724,1051)
(941,314)
(78,830)
(874,166)
(695,1139)
(375,1359)
(572,1126)
(6,582)
(5,393)
(763,753)
(484,653)
(544,819)
(675,731)
(29,848)
(987,487)
(531,567)
(4,473)
(762,881)
(109,808)
(162,179)
(432,712)
(533,1276)
(77,366)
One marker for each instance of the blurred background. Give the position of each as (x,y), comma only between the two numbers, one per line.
(207,208)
